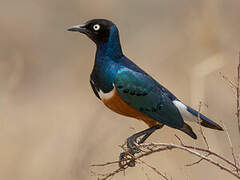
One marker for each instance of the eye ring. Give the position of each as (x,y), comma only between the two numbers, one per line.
(96,27)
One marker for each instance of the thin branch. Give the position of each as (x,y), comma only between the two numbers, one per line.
(179,139)
(238,94)
(158,147)
(212,153)
(203,135)
(231,147)
(191,164)
(104,164)
(231,83)
(189,149)
(154,169)
(199,120)
(110,175)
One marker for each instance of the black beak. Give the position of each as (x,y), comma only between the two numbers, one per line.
(79,28)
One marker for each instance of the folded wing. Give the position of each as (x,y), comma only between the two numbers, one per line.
(143,93)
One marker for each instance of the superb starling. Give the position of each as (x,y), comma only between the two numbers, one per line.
(128,90)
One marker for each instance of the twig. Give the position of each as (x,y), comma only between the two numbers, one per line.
(158,147)
(179,139)
(199,120)
(105,176)
(203,135)
(109,175)
(154,169)
(189,149)
(212,153)
(231,84)
(231,147)
(105,164)
(194,163)
(238,83)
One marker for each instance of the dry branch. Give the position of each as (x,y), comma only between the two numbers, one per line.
(238,94)
(151,148)
(200,127)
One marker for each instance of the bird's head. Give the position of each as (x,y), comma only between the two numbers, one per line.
(98,30)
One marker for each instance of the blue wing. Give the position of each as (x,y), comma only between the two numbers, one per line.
(144,94)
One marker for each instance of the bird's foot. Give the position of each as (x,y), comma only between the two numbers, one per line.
(132,145)
(127,158)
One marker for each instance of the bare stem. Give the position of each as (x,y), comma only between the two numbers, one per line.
(231,147)
(154,169)
(191,150)
(199,120)
(151,148)
(238,83)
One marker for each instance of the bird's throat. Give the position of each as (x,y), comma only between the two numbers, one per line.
(111,48)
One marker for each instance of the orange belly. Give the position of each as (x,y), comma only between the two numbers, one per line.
(116,104)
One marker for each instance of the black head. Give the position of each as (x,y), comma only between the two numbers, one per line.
(97,29)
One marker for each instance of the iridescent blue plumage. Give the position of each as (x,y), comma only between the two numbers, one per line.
(114,71)
(106,62)
(112,68)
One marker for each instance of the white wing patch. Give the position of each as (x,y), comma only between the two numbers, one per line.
(106,96)
(183,111)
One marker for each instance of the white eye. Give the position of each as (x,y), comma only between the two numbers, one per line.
(96,27)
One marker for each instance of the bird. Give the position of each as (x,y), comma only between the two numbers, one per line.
(127,89)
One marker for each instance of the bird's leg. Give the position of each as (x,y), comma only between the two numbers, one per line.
(132,147)
(145,133)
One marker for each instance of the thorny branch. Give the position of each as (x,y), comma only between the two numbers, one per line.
(151,148)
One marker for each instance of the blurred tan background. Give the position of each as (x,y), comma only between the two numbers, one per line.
(52,127)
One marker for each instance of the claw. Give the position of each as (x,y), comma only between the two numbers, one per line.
(126,160)
(131,144)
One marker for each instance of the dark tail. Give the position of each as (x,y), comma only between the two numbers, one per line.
(188,130)
(205,121)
